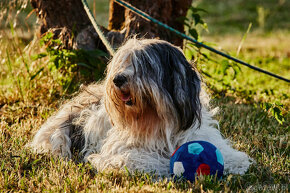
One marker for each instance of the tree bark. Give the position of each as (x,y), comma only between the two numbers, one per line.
(67,19)
(167,11)
(63,17)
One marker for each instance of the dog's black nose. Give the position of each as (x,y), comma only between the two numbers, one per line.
(119,80)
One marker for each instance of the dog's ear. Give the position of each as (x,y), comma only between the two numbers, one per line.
(165,66)
(183,84)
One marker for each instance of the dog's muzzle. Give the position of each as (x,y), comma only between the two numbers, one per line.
(119,80)
(123,91)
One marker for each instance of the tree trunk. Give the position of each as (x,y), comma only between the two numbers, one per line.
(67,19)
(63,17)
(167,11)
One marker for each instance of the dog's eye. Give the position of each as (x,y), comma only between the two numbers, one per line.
(129,103)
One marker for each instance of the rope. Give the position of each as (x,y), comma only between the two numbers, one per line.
(147,17)
(98,29)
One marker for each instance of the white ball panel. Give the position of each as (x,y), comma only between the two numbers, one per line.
(178,168)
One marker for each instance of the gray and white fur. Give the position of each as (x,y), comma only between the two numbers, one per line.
(150,102)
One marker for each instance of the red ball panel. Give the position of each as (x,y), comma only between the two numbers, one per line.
(203,169)
(175,151)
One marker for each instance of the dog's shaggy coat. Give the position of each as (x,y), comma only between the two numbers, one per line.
(150,103)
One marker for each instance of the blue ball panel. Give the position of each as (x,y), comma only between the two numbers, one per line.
(219,156)
(195,148)
(195,153)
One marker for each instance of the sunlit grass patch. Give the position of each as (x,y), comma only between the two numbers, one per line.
(233,17)
(30,92)
(243,120)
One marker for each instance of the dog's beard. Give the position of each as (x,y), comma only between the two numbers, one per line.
(132,110)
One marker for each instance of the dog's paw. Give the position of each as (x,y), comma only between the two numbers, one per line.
(239,164)
(101,162)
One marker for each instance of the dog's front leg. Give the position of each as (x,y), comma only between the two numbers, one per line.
(134,160)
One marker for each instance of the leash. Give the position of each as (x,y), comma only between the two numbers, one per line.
(98,29)
(147,17)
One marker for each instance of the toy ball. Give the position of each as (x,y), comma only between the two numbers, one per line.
(196,158)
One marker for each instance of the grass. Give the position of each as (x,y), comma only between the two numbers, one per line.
(29,95)
(234,16)
(267,52)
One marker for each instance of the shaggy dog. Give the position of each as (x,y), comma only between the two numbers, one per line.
(150,103)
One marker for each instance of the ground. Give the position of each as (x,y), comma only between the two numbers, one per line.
(253,108)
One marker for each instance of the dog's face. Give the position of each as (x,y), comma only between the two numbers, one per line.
(150,84)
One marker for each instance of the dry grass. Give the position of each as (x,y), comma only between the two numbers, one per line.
(25,103)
